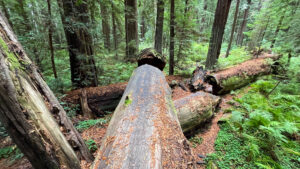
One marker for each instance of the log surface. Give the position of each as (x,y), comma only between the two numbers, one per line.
(144,131)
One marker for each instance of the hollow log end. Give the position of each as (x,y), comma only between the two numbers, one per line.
(151,57)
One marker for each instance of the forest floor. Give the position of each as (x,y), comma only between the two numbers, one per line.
(208,134)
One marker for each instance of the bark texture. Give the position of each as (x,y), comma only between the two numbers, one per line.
(159,26)
(240,75)
(80,46)
(144,131)
(195,109)
(218,28)
(172,35)
(26,104)
(131,28)
(151,57)
(50,39)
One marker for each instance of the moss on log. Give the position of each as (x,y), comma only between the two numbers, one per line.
(151,57)
(235,77)
(144,131)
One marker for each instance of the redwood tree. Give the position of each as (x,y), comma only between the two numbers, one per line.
(240,36)
(131,28)
(159,26)
(172,35)
(218,28)
(105,23)
(233,27)
(76,21)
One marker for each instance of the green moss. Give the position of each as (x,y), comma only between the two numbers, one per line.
(128,100)
(15,64)
(236,82)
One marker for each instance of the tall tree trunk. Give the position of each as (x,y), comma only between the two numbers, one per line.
(131,28)
(172,35)
(277,31)
(220,20)
(114,28)
(24,15)
(26,104)
(80,46)
(105,23)
(143,26)
(50,30)
(233,27)
(159,26)
(240,36)
(6,13)
(202,26)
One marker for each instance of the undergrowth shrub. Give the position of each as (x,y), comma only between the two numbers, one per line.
(83,125)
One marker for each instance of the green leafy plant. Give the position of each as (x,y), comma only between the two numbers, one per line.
(91,145)
(83,125)
(196,140)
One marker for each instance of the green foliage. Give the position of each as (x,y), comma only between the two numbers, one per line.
(196,140)
(83,125)
(91,145)
(265,128)
(11,151)
(236,56)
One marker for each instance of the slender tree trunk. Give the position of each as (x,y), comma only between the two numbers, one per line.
(114,28)
(220,20)
(240,36)
(202,25)
(172,35)
(277,31)
(182,33)
(26,104)
(159,26)
(50,30)
(131,28)
(105,23)
(143,27)
(233,27)
(80,46)
(6,13)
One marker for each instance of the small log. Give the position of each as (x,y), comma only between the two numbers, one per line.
(87,112)
(144,131)
(195,109)
(151,57)
(242,74)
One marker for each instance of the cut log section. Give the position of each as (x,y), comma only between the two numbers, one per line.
(151,57)
(195,109)
(242,74)
(144,131)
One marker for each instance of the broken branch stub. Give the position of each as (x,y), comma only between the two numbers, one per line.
(144,131)
(151,57)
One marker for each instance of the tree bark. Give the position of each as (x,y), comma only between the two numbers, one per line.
(50,32)
(159,26)
(220,20)
(242,74)
(240,36)
(87,112)
(233,27)
(26,104)
(195,109)
(80,46)
(131,28)
(144,131)
(277,31)
(105,23)
(203,20)
(172,35)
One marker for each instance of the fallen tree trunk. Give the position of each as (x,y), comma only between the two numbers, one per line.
(195,109)
(26,104)
(240,75)
(144,131)
(105,98)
